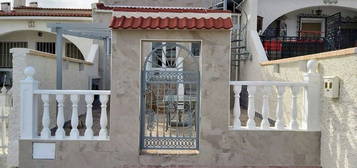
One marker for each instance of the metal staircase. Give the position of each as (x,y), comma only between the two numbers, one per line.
(239,33)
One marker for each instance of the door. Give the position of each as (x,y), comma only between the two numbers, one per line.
(333,31)
(170,98)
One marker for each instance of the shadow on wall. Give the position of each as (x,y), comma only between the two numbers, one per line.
(338,116)
(339,129)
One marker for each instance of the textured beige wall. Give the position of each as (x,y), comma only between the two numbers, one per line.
(45,68)
(232,148)
(338,116)
(218,144)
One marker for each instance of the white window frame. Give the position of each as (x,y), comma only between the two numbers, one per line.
(163,57)
(315,20)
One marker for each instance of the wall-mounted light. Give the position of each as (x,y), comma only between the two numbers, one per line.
(330,1)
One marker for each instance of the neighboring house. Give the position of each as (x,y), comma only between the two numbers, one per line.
(26,27)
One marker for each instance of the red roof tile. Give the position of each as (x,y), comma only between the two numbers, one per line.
(55,14)
(159,9)
(124,22)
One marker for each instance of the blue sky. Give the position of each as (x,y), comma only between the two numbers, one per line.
(61,3)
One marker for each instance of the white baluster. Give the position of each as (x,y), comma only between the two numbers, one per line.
(45,133)
(265,109)
(236,110)
(74,119)
(103,133)
(312,98)
(293,123)
(60,117)
(279,124)
(27,101)
(251,107)
(89,117)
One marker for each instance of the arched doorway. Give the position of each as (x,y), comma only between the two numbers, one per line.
(170,98)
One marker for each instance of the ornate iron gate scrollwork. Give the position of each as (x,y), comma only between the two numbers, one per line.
(170,99)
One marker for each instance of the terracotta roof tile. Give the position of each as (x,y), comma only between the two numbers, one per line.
(124,22)
(158,9)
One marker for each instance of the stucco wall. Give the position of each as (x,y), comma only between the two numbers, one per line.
(219,146)
(104,66)
(338,116)
(45,66)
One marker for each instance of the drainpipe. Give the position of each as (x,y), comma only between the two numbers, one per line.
(105,62)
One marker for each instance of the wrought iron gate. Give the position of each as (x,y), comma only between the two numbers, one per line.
(170,99)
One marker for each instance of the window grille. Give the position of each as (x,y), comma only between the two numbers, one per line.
(49,47)
(167,54)
(5,55)
(72,51)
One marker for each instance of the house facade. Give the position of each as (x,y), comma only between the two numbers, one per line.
(26,27)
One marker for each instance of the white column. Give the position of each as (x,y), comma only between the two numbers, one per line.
(103,133)
(27,106)
(74,119)
(312,98)
(181,87)
(279,124)
(265,108)
(251,107)
(293,122)
(60,117)
(45,133)
(89,117)
(236,110)
(251,8)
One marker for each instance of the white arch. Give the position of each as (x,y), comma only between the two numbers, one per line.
(10,26)
(273,9)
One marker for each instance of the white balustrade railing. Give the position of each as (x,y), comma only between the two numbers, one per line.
(29,111)
(5,109)
(310,87)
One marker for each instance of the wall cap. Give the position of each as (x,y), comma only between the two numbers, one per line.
(47,55)
(323,55)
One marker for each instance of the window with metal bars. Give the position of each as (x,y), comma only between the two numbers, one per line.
(5,55)
(164,56)
(73,51)
(49,47)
